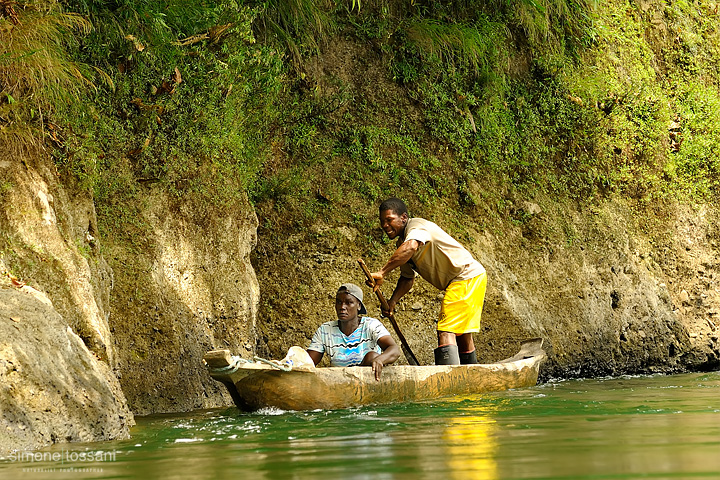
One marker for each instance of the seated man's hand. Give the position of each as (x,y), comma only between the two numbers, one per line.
(373,359)
(377,368)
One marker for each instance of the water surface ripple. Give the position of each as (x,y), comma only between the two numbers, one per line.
(615,428)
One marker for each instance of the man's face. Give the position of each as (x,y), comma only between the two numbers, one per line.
(392,223)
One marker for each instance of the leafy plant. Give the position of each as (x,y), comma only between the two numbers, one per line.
(36,73)
(695,160)
(295,24)
(473,45)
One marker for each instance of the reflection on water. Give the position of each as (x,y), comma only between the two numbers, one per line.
(471,446)
(619,428)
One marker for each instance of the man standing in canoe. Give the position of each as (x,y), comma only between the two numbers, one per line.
(424,248)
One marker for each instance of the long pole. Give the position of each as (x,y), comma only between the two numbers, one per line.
(409,355)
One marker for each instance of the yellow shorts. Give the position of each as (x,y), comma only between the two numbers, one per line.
(462,306)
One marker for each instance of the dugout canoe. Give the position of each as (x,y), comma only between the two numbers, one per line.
(255,385)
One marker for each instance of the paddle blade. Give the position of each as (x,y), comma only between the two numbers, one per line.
(409,356)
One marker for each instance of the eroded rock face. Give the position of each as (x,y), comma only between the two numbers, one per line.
(56,351)
(611,302)
(189,290)
(609,299)
(51,236)
(52,387)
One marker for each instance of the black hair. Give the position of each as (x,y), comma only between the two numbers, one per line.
(395,205)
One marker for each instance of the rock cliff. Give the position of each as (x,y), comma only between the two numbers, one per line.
(134,327)
(52,387)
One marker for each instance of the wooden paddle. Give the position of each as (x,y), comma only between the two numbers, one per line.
(409,355)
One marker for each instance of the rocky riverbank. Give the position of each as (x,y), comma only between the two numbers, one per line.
(52,387)
(96,325)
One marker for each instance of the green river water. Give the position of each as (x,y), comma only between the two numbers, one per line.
(612,428)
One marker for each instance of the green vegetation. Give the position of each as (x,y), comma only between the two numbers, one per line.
(35,70)
(220,101)
(695,165)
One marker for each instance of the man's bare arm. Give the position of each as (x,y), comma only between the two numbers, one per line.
(403,253)
(403,286)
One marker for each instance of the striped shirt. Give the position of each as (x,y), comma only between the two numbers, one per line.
(347,351)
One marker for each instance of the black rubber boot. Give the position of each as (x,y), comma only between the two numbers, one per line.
(468,358)
(447,355)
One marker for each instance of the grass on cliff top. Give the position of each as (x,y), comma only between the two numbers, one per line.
(572,99)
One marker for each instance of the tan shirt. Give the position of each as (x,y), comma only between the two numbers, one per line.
(440,259)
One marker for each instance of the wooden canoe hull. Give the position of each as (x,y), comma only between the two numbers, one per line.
(254,386)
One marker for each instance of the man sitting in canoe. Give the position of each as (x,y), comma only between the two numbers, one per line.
(425,248)
(353,339)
